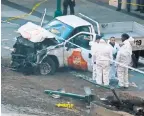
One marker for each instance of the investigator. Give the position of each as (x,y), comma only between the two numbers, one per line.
(124,57)
(94,47)
(103,55)
(115,46)
(128,4)
(71,4)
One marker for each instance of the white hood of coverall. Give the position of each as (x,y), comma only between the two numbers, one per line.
(103,51)
(128,44)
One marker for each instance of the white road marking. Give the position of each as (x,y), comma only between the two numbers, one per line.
(9,23)
(4,39)
(14,39)
(8,48)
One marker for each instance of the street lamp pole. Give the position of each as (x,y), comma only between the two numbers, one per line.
(58,12)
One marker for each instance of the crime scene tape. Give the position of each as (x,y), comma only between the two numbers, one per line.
(131,3)
(25,15)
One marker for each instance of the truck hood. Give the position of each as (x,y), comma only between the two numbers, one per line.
(34,33)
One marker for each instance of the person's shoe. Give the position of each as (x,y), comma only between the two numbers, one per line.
(126,87)
(118,9)
(137,10)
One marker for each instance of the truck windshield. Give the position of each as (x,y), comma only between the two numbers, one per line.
(59,28)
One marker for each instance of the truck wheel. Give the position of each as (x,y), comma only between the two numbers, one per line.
(48,66)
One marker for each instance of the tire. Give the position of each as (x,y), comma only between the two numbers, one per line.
(48,66)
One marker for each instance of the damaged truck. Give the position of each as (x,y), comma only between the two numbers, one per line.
(65,41)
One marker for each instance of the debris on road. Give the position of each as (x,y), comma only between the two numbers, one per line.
(65,105)
(87,98)
(56,96)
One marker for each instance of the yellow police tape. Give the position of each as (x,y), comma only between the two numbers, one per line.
(25,15)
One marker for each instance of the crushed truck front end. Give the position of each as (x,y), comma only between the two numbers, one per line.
(25,56)
(30,47)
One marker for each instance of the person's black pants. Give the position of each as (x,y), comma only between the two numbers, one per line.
(128,5)
(138,3)
(142,3)
(65,6)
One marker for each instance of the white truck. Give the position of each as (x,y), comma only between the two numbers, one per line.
(62,42)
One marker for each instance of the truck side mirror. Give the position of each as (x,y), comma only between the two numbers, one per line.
(68,45)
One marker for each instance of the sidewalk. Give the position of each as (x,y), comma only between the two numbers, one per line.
(98,12)
(133,7)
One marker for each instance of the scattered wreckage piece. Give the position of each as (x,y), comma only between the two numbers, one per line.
(120,101)
(87,98)
(110,104)
(114,103)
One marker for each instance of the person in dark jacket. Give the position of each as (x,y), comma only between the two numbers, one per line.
(128,5)
(71,4)
(140,6)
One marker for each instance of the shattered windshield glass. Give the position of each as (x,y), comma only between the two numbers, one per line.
(59,28)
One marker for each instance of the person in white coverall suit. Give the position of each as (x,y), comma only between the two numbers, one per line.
(103,52)
(115,46)
(94,46)
(124,57)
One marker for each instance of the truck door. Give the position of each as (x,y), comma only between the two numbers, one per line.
(77,52)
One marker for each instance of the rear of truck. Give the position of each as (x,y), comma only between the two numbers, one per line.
(133,29)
